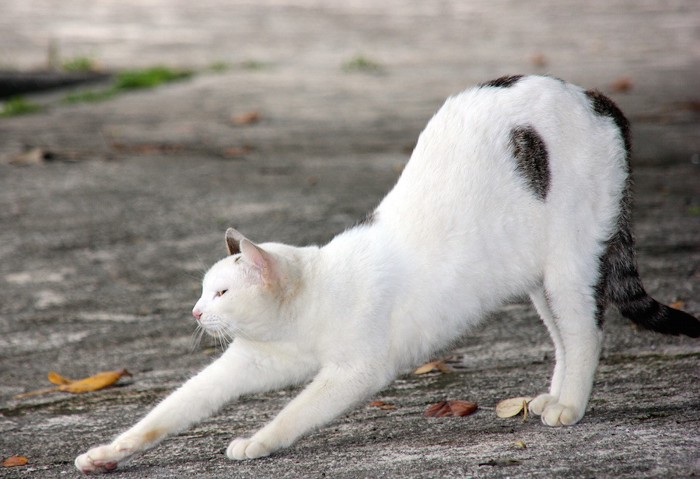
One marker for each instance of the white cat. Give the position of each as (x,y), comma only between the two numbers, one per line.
(519,186)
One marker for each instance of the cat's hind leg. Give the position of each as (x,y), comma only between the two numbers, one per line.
(538,404)
(571,300)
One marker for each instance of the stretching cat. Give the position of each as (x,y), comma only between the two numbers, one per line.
(519,186)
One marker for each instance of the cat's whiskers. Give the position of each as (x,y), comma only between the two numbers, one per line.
(197,336)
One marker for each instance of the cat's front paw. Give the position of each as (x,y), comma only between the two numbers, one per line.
(102,459)
(241,449)
(554,413)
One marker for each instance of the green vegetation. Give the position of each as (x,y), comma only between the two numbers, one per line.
(149,78)
(90,96)
(362,64)
(18,106)
(130,80)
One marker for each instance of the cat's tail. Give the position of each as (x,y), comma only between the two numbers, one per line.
(622,286)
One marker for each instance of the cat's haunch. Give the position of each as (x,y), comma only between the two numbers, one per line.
(518,186)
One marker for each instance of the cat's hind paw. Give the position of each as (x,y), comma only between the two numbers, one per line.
(538,405)
(241,449)
(554,413)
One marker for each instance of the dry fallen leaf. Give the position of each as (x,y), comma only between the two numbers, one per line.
(520,445)
(93,383)
(33,156)
(237,152)
(677,305)
(15,461)
(539,60)
(622,85)
(451,409)
(384,406)
(512,407)
(56,378)
(431,366)
(247,118)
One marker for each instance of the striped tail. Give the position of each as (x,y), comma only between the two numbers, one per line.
(622,286)
(619,282)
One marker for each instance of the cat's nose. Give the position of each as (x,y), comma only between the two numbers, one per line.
(197,314)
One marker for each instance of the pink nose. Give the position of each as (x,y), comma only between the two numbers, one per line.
(197,314)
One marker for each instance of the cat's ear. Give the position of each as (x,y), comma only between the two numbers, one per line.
(233,241)
(263,261)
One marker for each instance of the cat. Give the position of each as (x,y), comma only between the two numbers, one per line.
(518,186)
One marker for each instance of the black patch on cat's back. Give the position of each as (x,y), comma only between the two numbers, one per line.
(530,153)
(502,82)
(604,106)
(368,220)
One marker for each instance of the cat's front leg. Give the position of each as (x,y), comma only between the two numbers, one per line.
(334,390)
(242,369)
(106,458)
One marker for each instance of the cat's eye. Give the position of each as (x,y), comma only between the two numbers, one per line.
(220,293)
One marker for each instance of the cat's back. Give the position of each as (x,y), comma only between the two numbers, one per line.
(516,143)
(475,129)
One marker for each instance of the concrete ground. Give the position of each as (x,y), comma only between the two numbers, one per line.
(103,244)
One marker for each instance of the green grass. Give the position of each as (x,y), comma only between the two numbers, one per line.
(129,81)
(90,96)
(149,78)
(362,64)
(18,106)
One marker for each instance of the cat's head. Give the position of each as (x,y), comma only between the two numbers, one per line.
(247,293)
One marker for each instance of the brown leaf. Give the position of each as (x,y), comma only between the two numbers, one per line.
(433,365)
(539,60)
(384,406)
(248,118)
(512,407)
(622,85)
(451,409)
(462,408)
(93,383)
(677,305)
(15,461)
(56,378)
(237,152)
(33,156)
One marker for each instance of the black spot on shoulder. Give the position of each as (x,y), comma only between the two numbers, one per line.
(604,106)
(530,152)
(503,82)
